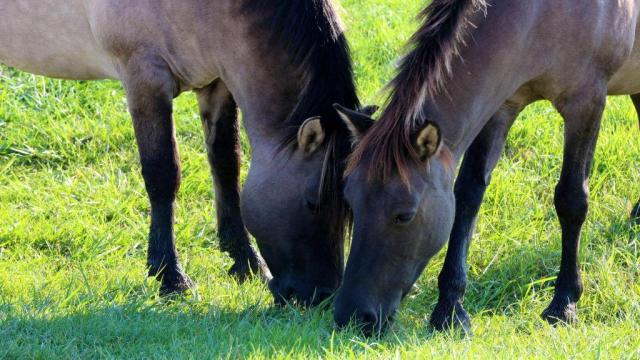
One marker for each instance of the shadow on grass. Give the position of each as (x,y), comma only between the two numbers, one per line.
(501,288)
(143,326)
(182,329)
(526,277)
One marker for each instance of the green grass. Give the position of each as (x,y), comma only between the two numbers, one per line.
(74,218)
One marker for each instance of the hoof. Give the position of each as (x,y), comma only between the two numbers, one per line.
(176,287)
(447,316)
(560,312)
(172,281)
(249,264)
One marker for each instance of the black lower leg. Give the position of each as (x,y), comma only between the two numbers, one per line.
(162,258)
(571,201)
(149,89)
(635,213)
(220,122)
(582,123)
(473,179)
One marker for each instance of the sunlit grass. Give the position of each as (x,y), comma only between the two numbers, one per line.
(74,220)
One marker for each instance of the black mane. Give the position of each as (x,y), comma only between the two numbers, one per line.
(311,34)
(422,74)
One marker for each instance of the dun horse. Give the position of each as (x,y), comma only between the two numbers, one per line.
(283,63)
(474,66)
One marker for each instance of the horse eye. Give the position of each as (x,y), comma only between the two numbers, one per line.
(405,218)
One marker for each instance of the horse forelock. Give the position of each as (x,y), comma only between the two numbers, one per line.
(389,146)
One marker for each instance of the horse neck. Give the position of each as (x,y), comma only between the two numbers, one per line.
(267,88)
(492,67)
(265,94)
(261,62)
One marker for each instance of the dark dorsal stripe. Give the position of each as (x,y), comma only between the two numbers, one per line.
(422,73)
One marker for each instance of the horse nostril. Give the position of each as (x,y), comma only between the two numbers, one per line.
(367,318)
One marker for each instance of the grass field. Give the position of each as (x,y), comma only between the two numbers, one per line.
(74,220)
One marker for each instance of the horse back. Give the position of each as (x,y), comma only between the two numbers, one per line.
(91,39)
(52,38)
(569,41)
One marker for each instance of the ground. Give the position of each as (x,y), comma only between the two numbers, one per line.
(74,218)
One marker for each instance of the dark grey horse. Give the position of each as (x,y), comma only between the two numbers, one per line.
(457,93)
(283,63)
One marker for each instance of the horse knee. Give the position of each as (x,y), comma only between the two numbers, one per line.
(471,186)
(571,203)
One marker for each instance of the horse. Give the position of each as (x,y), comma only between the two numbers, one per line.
(282,63)
(474,66)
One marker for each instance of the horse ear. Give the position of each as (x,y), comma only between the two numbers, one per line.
(369,110)
(311,135)
(358,122)
(428,141)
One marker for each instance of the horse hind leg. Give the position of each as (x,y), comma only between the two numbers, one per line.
(219,115)
(635,213)
(582,114)
(150,88)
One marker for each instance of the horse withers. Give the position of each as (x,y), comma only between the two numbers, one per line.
(457,93)
(282,63)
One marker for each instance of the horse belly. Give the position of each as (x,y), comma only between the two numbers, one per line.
(51,38)
(627,79)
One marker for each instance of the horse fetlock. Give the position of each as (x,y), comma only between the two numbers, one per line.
(233,239)
(449,315)
(562,310)
(247,263)
(167,270)
(452,285)
(569,287)
(171,276)
(158,268)
(176,282)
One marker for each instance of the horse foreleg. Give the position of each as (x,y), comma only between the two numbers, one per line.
(150,88)
(582,114)
(473,179)
(635,213)
(219,116)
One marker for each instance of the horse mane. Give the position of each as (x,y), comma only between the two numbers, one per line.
(311,33)
(422,74)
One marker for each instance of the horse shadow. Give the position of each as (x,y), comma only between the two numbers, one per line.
(180,327)
(522,284)
(148,326)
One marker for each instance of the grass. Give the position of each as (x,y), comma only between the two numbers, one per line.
(74,218)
